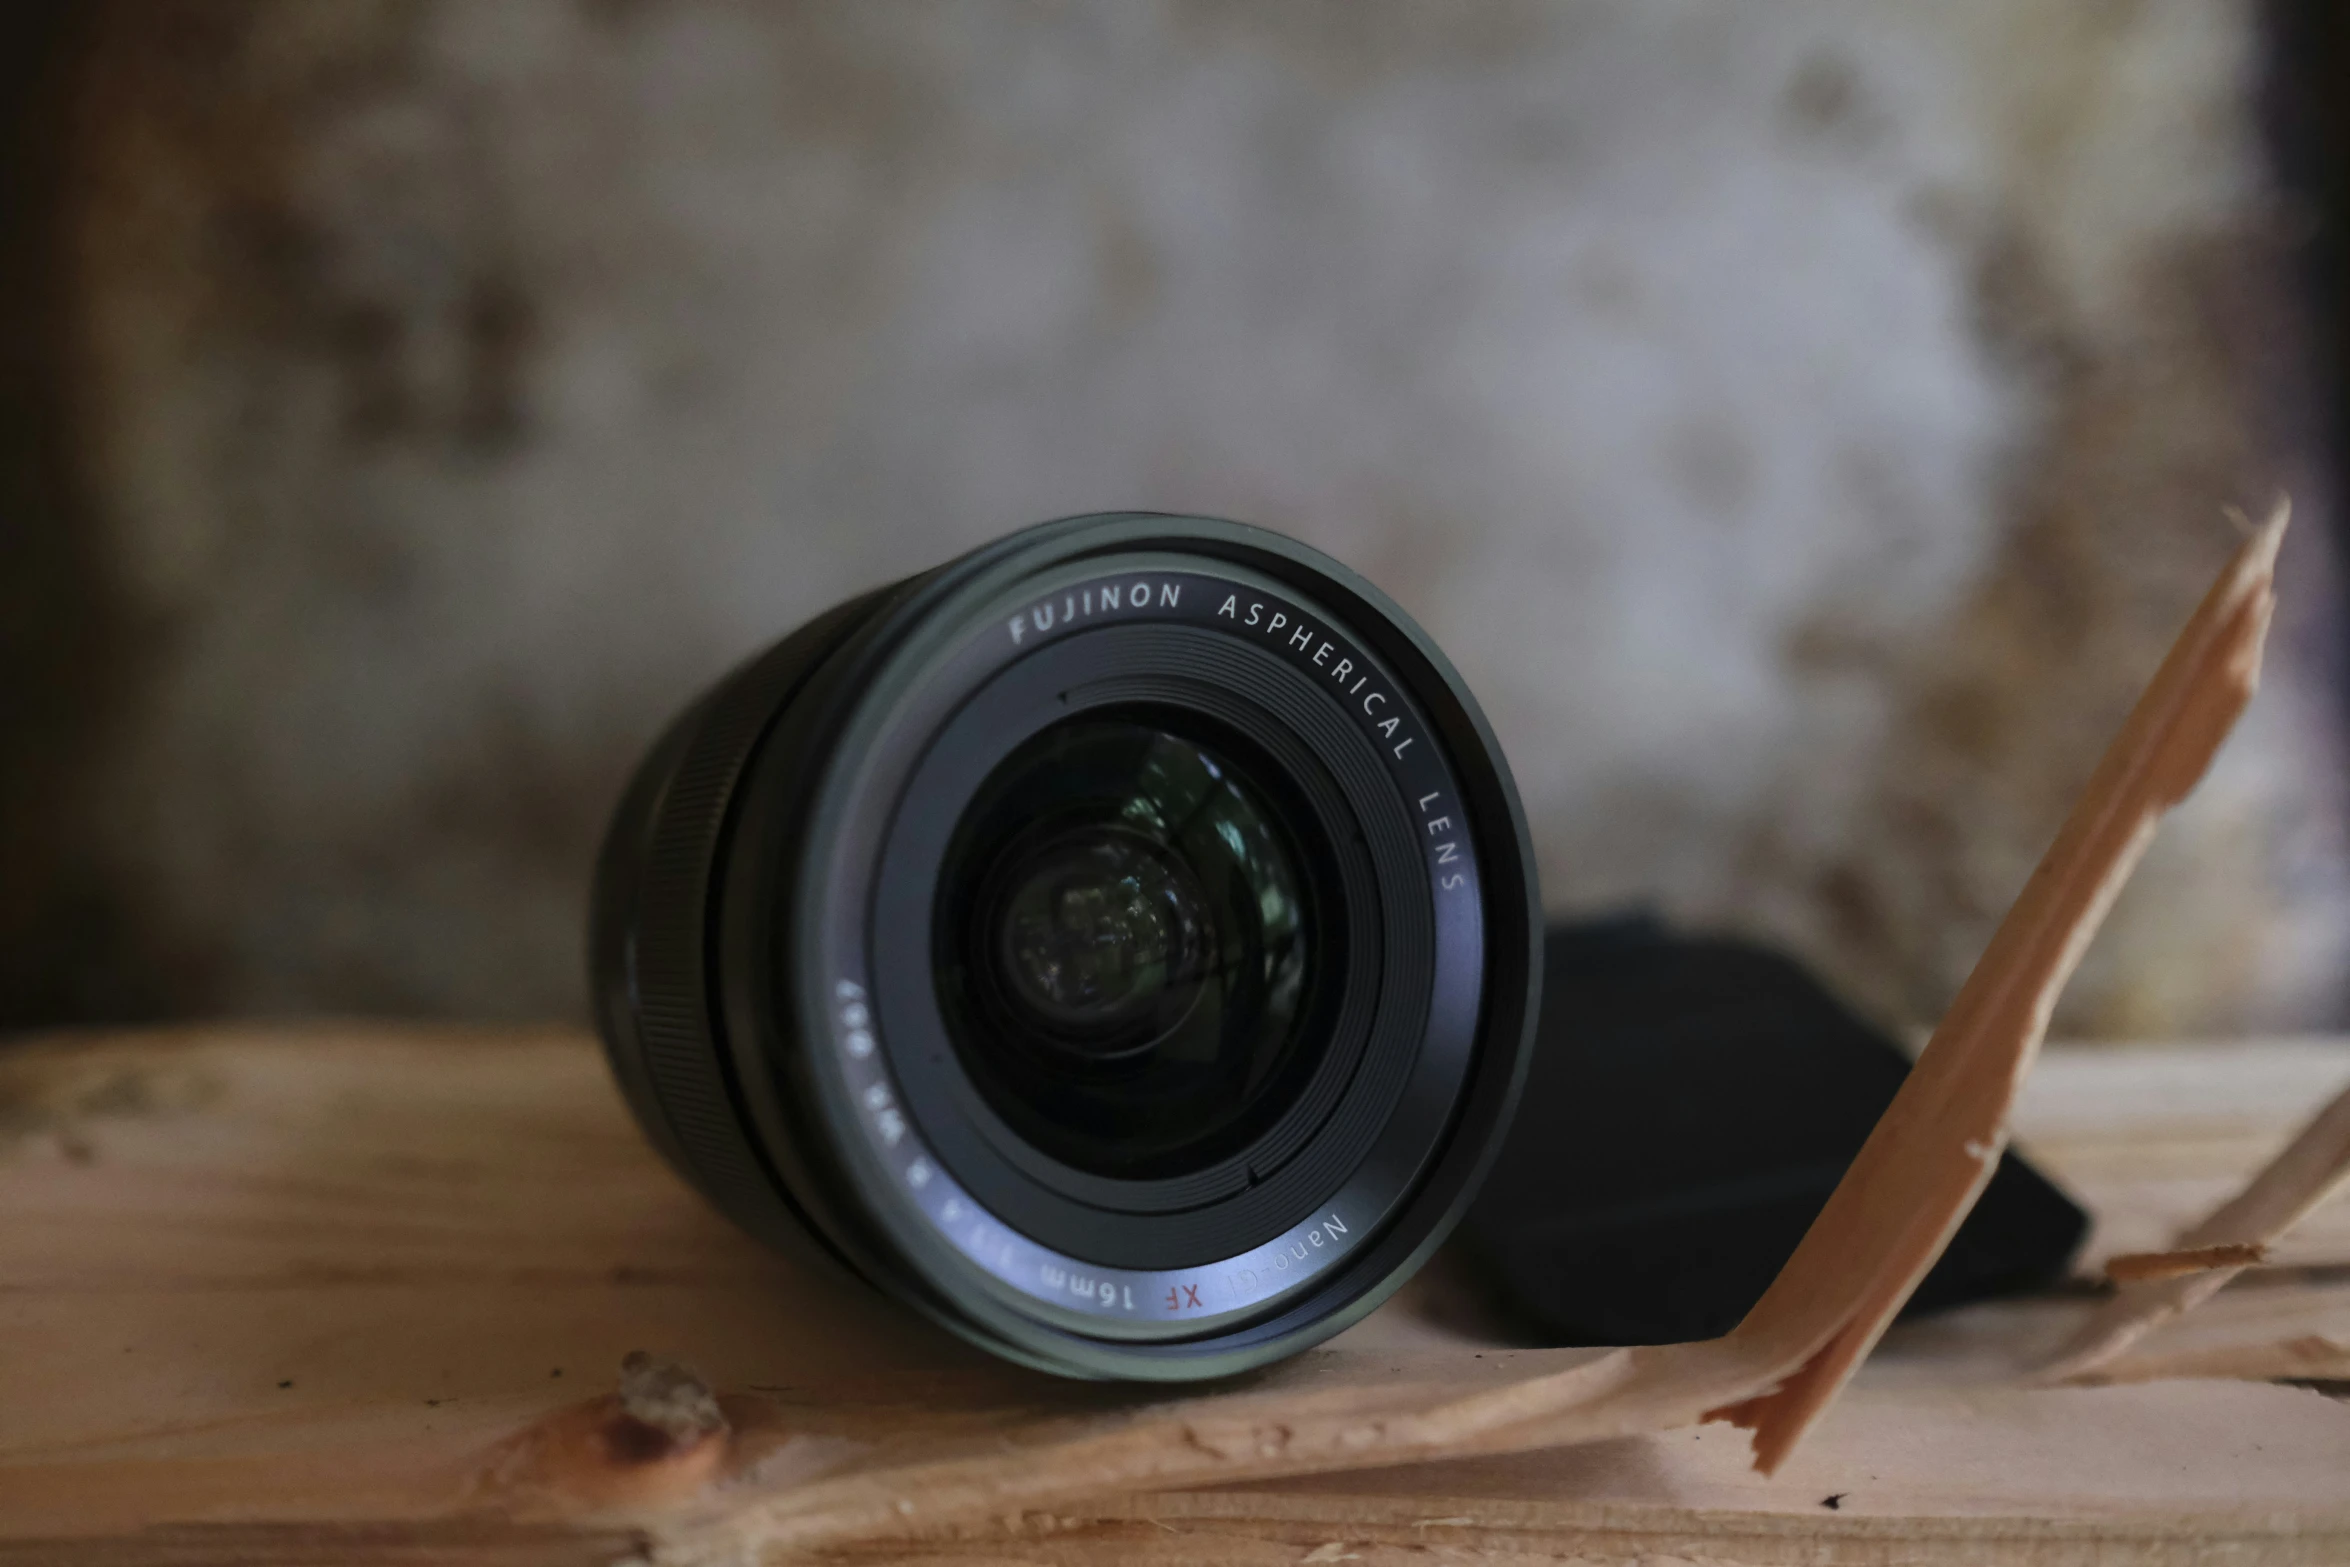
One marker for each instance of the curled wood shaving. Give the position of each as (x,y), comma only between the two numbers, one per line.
(1939,1141)
(2313,1166)
(1776,1372)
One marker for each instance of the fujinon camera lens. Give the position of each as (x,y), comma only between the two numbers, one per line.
(1118,944)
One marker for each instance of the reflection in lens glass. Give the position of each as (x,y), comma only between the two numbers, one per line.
(1126,947)
(1100,931)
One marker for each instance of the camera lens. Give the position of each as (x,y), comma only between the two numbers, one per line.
(1116,944)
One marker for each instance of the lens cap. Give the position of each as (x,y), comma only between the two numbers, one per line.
(1692,1103)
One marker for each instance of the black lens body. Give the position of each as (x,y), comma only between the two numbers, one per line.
(1119,944)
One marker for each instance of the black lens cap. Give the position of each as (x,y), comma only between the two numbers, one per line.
(1691,1104)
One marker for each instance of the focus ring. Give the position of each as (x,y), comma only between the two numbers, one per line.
(676,1033)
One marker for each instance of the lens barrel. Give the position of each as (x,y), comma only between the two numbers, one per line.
(1119,944)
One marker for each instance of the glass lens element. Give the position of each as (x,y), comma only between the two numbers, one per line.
(1127,949)
(1103,939)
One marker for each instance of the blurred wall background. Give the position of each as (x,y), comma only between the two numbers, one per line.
(1805,423)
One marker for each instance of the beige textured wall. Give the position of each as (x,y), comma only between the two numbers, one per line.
(1804,423)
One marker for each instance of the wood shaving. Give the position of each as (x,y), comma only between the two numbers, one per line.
(2144,1267)
(2312,1167)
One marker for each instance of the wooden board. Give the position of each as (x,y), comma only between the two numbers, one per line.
(274,1294)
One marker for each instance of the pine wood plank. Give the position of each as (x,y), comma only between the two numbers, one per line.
(266,1293)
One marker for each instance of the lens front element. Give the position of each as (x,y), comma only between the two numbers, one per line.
(1126,944)
(1099,941)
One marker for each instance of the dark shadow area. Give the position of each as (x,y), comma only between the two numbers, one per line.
(2306,109)
(68,952)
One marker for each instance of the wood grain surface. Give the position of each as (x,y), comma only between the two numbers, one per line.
(290,1293)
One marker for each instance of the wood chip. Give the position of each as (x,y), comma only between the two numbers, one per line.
(2144,1267)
